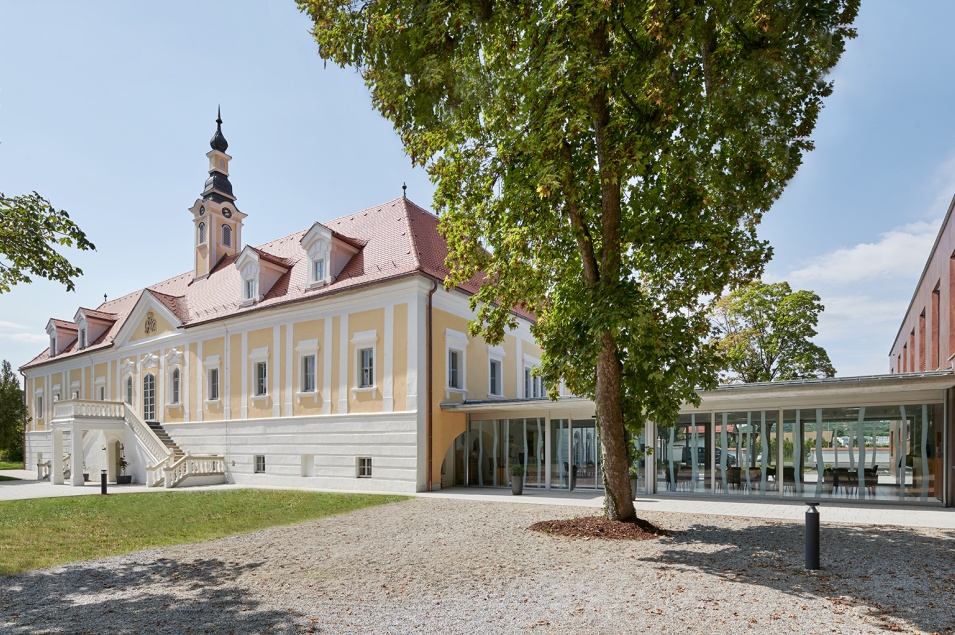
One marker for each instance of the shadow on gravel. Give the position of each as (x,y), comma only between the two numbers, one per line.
(163,596)
(894,576)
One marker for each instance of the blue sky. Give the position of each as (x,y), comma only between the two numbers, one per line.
(106,108)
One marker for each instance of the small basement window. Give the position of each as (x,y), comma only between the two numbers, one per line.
(259,463)
(364,467)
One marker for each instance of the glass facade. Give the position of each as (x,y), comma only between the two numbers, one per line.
(862,452)
(859,452)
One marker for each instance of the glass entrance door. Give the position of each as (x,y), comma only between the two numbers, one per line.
(585,455)
(149,397)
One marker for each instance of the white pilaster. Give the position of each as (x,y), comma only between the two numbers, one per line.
(343,355)
(327,368)
(76,456)
(56,461)
(244,360)
(200,382)
(414,351)
(288,369)
(226,379)
(276,373)
(388,357)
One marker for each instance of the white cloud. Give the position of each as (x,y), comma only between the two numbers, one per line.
(13,332)
(900,253)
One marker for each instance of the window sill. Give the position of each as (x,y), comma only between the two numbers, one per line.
(448,391)
(174,406)
(364,389)
(305,394)
(263,398)
(318,284)
(212,402)
(493,396)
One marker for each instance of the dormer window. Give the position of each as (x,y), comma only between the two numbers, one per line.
(82,338)
(53,345)
(226,236)
(202,233)
(249,294)
(328,254)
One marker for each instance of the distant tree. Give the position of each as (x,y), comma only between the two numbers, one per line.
(604,164)
(30,231)
(765,333)
(13,414)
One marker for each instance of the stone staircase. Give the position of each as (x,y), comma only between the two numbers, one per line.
(163,436)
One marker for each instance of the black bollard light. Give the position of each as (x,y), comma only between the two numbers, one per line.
(102,482)
(812,536)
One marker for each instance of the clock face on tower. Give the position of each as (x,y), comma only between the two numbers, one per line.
(227,213)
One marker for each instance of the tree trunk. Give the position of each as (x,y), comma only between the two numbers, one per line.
(613,436)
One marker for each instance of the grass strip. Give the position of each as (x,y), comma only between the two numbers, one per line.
(40,533)
(7,465)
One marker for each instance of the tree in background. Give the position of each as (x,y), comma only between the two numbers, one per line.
(765,332)
(30,230)
(604,164)
(13,414)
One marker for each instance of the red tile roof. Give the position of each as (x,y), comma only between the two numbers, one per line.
(395,239)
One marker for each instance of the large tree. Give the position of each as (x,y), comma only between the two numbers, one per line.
(765,333)
(30,231)
(605,164)
(13,413)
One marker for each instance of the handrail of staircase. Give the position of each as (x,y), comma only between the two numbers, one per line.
(146,436)
(194,465)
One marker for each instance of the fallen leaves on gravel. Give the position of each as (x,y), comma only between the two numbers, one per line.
(599,527)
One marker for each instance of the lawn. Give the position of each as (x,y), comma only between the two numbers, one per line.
(41,533)
(6,465)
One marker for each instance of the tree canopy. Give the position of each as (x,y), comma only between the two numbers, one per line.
(605,164)
(30,231)
(765,332)
(13,413)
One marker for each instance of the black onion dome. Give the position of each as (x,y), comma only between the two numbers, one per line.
(218,141)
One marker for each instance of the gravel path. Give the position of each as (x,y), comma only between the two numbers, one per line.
(460,566)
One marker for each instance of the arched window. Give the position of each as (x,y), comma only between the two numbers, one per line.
(202,233)
(174,387)
(149,397)
(226,236)
(128,397)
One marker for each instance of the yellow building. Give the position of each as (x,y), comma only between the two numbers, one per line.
(318,359)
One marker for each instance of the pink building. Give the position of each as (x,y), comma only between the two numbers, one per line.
(926,338)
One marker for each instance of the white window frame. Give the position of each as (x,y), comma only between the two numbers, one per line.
(75,390)
(38,405)
(309,370)
(81,338)
(362,341)
(99,388)
(211,364)
(129,390)
(363,467)
(53,345)
(533,386)
(154,388)
(201,228)
(258,464)
(175,386)
(259,356)
(226,236)
(318,278)
(458,342)
(248,290)
(319,248)
(306,348)
(495,355)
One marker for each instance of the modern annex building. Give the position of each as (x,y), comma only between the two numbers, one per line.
(334,358)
